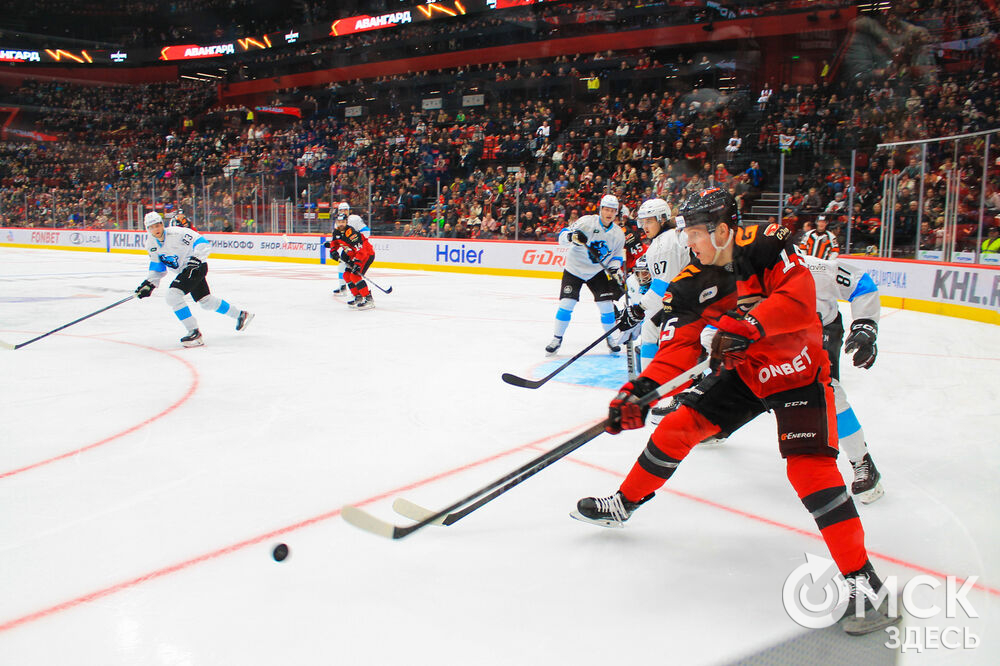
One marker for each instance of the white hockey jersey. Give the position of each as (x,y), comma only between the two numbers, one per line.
(578,258)
(668,253)
(174,251)
(838,280)
(359,223)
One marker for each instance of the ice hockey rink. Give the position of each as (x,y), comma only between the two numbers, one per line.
(143,485)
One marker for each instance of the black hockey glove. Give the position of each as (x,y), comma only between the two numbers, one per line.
(616,275)
(577,237)
(327,245)
(861,341)
(145,289)
(190,269)
(624,412)
(631,317)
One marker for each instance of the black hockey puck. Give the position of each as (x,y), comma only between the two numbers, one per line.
(280,552)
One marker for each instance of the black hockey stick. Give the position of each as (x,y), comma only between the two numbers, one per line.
(366,521)
(514,380)
(383,289)
(75,321)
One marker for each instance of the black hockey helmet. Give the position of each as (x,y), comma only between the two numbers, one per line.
(709,207)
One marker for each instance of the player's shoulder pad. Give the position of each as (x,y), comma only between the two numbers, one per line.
(697,286)
(761,245)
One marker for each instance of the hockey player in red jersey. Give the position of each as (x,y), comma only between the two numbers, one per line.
(352,248)
(750,293)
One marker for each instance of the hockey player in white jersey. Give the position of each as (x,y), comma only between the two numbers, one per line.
(667,254)
(636,286)
(595,257)
(356,221)
(186,252)
(836,279)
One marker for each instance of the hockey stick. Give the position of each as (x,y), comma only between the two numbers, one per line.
(514,380)
(364,520)
(75,321)
(383,289)
(629,347)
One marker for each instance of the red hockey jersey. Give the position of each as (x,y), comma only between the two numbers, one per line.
(769,281)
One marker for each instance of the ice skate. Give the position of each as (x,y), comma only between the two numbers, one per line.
(243,320)
(554,345)
(353,303)
(613,346)
(364,303)
(610,511)
(867,486)
(193,339)
(340,290)
(873,619)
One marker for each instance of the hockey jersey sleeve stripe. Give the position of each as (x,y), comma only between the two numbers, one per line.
(157,267)
(865,286)
(658,286)
(200,241)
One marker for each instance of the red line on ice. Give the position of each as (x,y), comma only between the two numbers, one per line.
(159,573)
(184,398)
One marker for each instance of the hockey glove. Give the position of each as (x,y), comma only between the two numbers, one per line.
(729,345)
(624,412)
(327,245)
(577,237)
(145,289)
(861,341)
(617,276)
(631,317)
(190,270)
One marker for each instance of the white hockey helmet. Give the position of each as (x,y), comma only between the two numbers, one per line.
(657,208)
(610,201)
(152,217)
(343,206)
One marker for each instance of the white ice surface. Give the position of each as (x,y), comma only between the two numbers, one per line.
(143,485)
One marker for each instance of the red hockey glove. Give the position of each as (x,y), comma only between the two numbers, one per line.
(624,412)
(729,346)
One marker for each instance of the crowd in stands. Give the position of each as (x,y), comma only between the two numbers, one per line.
(529,164)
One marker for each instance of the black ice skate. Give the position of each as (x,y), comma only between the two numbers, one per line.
(873,619)
(243,320)
(867,486)
(615,348)
(364,303)
(607,511)
(554,345)
(341,289)
(193,339)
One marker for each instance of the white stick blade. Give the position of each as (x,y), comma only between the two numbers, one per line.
(6,345)
(367,522)
(415,512)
